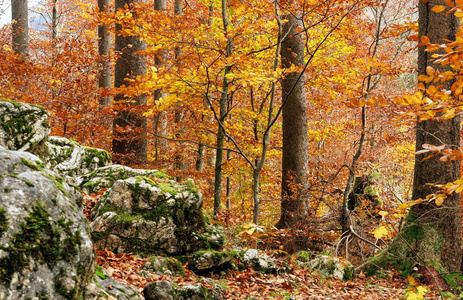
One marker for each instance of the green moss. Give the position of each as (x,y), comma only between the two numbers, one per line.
(31,165)
(100,273)
(3,221)
(38,239)
(102,155)
(161,175)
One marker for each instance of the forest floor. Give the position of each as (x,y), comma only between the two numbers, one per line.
(300,283)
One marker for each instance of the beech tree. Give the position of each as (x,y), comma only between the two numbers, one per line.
(129,127)
(20,25)
(431,235)
(294,156)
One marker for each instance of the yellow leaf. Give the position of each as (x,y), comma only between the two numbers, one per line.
(439,201)
(383,213)
(438,8)
(380,232)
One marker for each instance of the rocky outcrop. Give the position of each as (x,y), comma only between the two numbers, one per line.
(45,247)
(149,215)
(23,127)
(68,158)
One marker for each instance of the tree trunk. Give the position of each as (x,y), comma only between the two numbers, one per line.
(129,146)
(104,46)
(179,157)
(294,160)
(222,115)
(431,235)
(160,119)
(20,26)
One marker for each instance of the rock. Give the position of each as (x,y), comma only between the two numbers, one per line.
(106,176)
(45,247)
(260,262)
(196,291)
(147,216)
(331,266)
(208,260)
(69,158)
(163,266)
(159,290)
(23,127)
(103,287)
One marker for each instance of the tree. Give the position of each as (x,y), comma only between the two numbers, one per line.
(104,46)
(129,126)
(20,24)
(294,156)
(431,235)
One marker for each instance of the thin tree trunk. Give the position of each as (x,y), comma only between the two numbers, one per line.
(222,114)
(104,46)
(129,146)
(160,119)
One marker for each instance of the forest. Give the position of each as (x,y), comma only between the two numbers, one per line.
(329,126)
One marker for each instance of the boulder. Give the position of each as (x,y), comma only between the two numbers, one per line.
(159,290)
(23,127)
(259,261)
(45,246)
(163,266)
(67,157)
(151,216)
(332,266)
(209,260)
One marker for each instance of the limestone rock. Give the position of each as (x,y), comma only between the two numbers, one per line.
(45,248)
(23,127)
(206,260)
(196,291)
(260,262)
(105,177)
(69,158)
(162,266)
(331,266)
(159,216)
(103,287)
(159,290)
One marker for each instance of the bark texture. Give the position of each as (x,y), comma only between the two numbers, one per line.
(104,46)
(20,26)
(431,235)
(129,144)
(294,160)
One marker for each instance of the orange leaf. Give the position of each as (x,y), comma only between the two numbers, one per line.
(438,8)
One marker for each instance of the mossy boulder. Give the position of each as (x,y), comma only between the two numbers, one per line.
(259,261)
(151,215)
(45,247)
(23,127)
(209,260)
(69,158)
(103,287)
(163,266)
(331,266)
